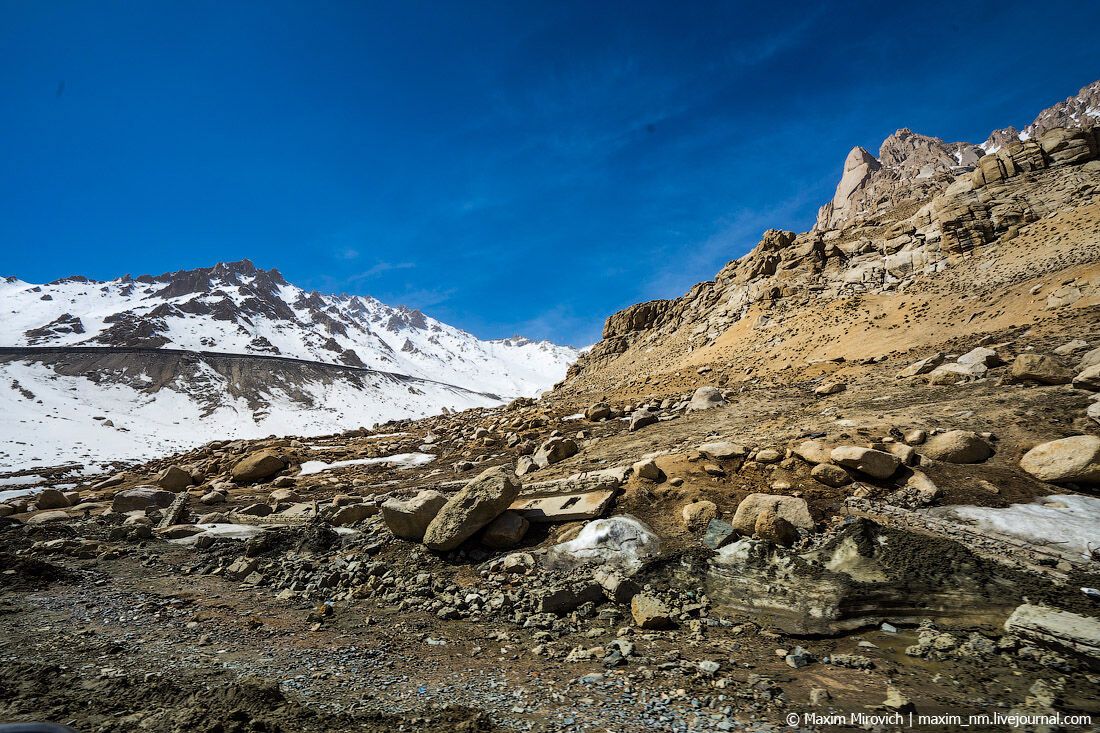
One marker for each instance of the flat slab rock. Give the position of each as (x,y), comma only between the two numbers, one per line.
(1067,630)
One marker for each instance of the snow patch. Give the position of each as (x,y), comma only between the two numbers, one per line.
(1067,521)
(399,460)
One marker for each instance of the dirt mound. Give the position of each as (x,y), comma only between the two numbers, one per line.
(29,573)
(32,691)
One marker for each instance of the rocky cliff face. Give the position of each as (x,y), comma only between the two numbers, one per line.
(911,167)
(922,236)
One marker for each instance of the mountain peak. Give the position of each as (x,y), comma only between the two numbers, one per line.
(911,166)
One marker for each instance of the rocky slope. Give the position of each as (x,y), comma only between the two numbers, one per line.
(911,167)
(1011,243)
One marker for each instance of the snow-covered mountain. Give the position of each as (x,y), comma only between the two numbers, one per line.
(135,367)
(237,308)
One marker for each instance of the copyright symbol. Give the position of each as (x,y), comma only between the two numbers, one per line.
(792,720)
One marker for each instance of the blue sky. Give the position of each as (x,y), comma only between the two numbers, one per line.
(507,167)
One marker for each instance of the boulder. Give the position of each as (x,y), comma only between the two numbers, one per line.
(722,450)
(907,454)
(650,612)
(352,513)
(141,498)
(813,451)
(1074,459)
(874,463)
(1039,368)
(257,466)
(554,451)
(641,418)
(1071,347)
(957,446)
(916,436)
(705,398)
(476,504)
(790,508)
(981,355)
(831,475)
(278,496)
(54,515)
(1088,379)
(409,519)
(772,527)
(173,478)
(827,388)
(698,514)
(648,470)
(597,412)
(956,373)
(51,499)
(1090,359)
(526,465)
(921,367)
(718,534)
(1052,626)
(505,531)
(768,455)
(6,510)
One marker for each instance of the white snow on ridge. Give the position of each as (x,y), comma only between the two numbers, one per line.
(294,322)
(58,425)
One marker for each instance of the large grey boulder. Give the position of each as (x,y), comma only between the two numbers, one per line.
(1074,459)
(874,463)
(141,498)
(981,355)
(705,398)
(957,446)
(474,506)
(257,466)
(955,373)
(409,519)
(791,508)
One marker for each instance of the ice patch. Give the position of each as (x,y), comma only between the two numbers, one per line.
(19,480)
(623,542)
(399,460)
(14,493)
(1067,521)
(232,531)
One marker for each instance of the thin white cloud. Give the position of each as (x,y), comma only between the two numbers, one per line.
(380,268)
